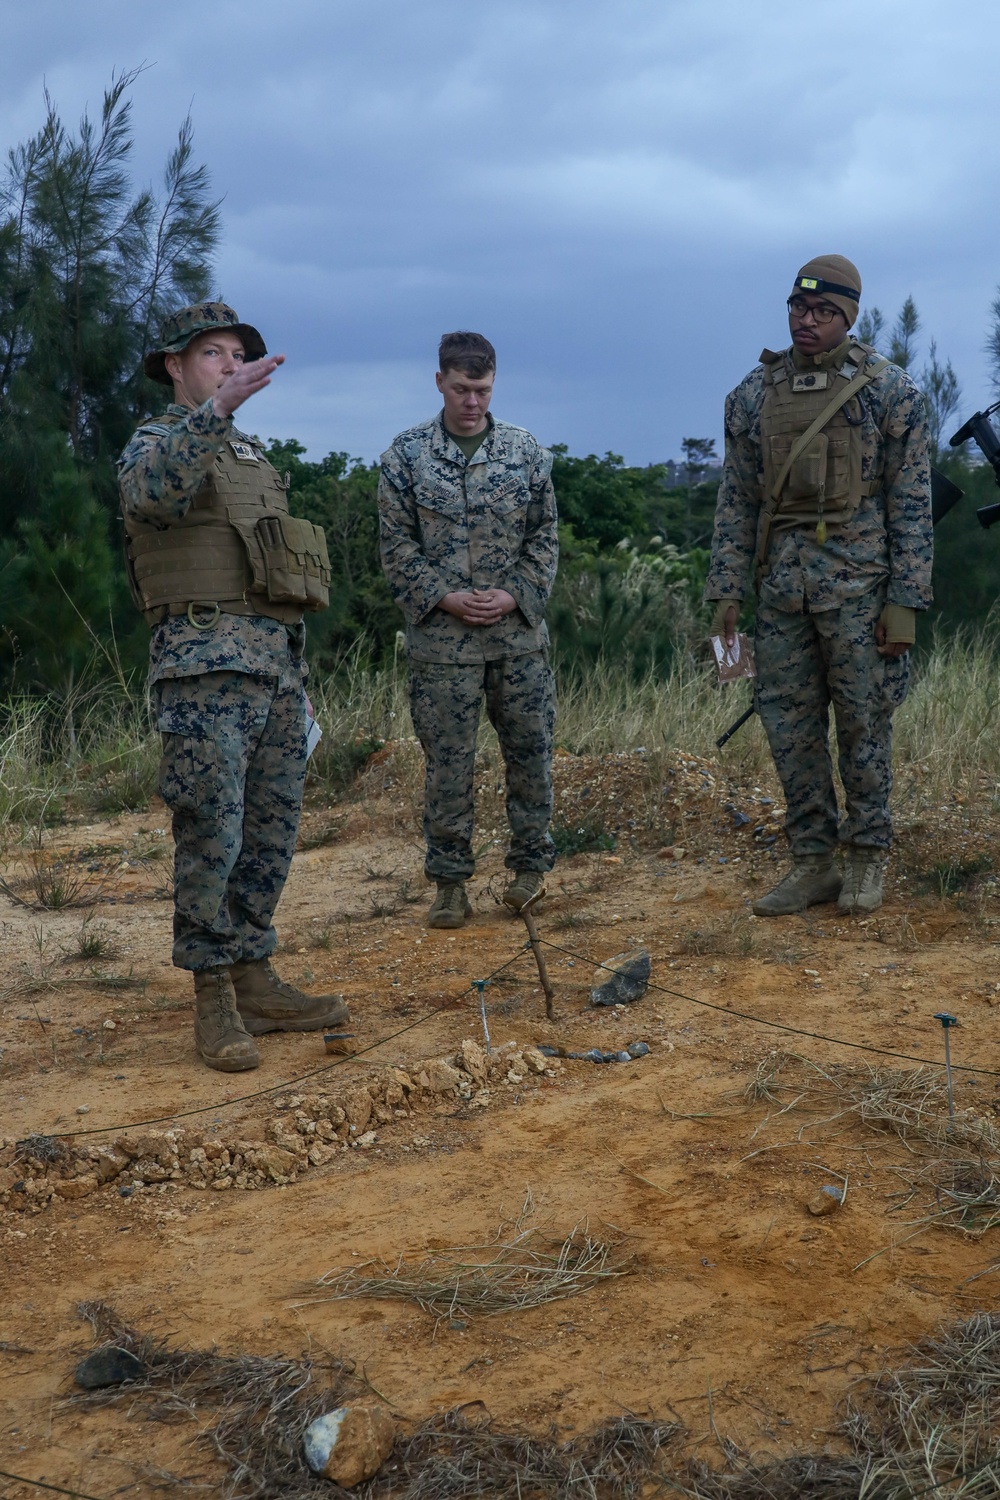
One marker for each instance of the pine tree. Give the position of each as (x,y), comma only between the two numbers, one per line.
(88,266)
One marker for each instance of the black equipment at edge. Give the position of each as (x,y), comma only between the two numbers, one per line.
(944,497)
(982,432)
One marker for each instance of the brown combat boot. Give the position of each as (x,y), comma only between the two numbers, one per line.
(524,889)
(267,1003)
(219,1034)
(813,878)
(450,906)
(864,875)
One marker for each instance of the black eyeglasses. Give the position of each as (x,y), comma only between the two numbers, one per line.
(823,312)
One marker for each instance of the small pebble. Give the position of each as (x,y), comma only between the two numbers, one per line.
(83,1109)
(827,1200)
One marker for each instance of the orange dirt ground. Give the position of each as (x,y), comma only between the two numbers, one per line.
(736,1293)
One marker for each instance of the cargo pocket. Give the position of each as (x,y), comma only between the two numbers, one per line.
(895,682)
(190,779)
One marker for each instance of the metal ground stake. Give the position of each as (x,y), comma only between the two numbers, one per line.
(947,1022)
(481,987)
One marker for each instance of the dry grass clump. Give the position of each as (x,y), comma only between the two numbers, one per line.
(951,1170)
(527,1269)
(253,1411)
(934,1423)
(458,1456)
(803,1476)
(931,1426)
(733,935)
(260,1406)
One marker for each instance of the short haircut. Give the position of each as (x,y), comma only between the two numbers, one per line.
(469,352)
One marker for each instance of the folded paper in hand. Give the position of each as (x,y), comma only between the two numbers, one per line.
(735,661)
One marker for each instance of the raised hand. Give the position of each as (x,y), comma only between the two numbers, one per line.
(245,381)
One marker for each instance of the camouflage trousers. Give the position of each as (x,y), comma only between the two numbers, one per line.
(232,774)
(445,701)
(804,663)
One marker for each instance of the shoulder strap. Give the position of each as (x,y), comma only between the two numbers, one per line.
(773,503)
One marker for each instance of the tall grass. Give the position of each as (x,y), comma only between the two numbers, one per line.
(97,755)
(101,759)
(947,735)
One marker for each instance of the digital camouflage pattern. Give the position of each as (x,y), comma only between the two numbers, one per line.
(232,774)
(888,540)
(445,702)
(448,523)
(159,474)
(235,643)
(818,604)
(180,327)
(164,463)
(805,662)
(230,707)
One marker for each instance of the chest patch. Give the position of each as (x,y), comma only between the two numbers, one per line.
(811,380)
(243,452)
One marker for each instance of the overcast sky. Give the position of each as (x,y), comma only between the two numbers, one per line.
(617,194)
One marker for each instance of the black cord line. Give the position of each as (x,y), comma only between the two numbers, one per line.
(274,1088)
(725,1010)
(817,1036)
(56,1489)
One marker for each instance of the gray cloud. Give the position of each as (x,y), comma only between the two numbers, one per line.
(618,196)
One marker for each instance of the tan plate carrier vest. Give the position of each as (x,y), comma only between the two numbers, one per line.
(811,445)
(236,551)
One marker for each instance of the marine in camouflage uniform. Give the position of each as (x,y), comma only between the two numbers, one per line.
(226,674)
(469,546)
(837,596)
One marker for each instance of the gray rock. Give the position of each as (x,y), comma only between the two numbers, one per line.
(638,1049)
(108,1366)
(627,984)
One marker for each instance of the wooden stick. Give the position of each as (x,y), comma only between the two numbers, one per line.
(543,972)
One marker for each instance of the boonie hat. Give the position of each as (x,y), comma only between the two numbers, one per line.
(182,326)
(836,279)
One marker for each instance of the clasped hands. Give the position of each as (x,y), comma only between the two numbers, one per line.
(478,606)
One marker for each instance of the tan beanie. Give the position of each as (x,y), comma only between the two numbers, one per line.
(834,278)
